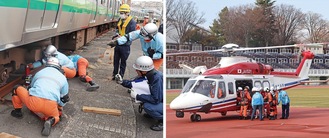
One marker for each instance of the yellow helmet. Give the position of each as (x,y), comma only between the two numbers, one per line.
(124,8)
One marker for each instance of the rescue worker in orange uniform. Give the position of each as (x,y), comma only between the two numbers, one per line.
(245,98)
(66,64)
(146,20)
(125,25)
(81,64)
(269,106)
(46,96)
(275,101)
(213,91)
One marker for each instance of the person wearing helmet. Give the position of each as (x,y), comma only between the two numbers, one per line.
(66,64)
(152,103)
(245,98)
(47,94)
(269,107)
(213,91)
(146,20)
(125,25)
(257,102)
(284,98)
(151,41)
(81,64)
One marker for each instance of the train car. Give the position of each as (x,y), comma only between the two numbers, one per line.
(26,26)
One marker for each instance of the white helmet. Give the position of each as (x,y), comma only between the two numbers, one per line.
(213,83)
(266,89)
(50,51)
(272,88)
(239,88)
(149,30)
(53,62)
(143,63)
(254,89)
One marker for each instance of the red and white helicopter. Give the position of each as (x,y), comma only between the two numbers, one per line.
(228,75)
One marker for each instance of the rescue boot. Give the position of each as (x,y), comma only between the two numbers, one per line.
(158,126)
(93,86)
(17,113)
(83,78)
(272,118)
(47,126)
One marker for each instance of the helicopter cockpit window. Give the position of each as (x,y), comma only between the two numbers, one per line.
(188,86)
(205,87)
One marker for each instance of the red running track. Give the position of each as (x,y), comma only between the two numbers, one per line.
(303,122)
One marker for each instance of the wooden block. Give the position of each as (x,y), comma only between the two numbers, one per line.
(6,135)
(101,110)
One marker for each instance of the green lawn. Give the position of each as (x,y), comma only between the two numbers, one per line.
(309,97)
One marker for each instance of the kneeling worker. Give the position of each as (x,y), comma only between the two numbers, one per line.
(64,61)
(153,102)
(48,93)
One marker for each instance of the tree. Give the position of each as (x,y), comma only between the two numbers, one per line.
(266,28)
(182,15)
(236,25)
(288,19)
(317,28)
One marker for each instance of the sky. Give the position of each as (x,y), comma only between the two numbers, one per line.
(211,8)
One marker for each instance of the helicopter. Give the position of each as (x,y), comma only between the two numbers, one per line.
(215,89)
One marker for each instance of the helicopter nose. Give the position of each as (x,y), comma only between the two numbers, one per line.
(187,100)
(176,103)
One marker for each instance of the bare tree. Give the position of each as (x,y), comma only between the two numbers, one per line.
(288,19)
(182,15)
(317,28)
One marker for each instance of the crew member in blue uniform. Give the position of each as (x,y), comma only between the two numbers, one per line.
(152,103)
(151,41)
(126,25)
(284,98)
(257,102)
(66,64)
(46,96)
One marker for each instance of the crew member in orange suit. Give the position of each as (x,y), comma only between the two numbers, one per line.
(245,98)
(46,96)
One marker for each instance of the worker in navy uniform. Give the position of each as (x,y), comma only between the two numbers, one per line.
(153,103)
(126,25)
(151,41)
(46,96)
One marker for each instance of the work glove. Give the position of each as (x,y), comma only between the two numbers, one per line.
(133,94)
(118,79)
(113,43)
(151,52)
(115,36)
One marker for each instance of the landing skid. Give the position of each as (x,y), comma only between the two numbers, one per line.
(195,117)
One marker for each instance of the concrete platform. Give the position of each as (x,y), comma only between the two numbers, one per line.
(77,123)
